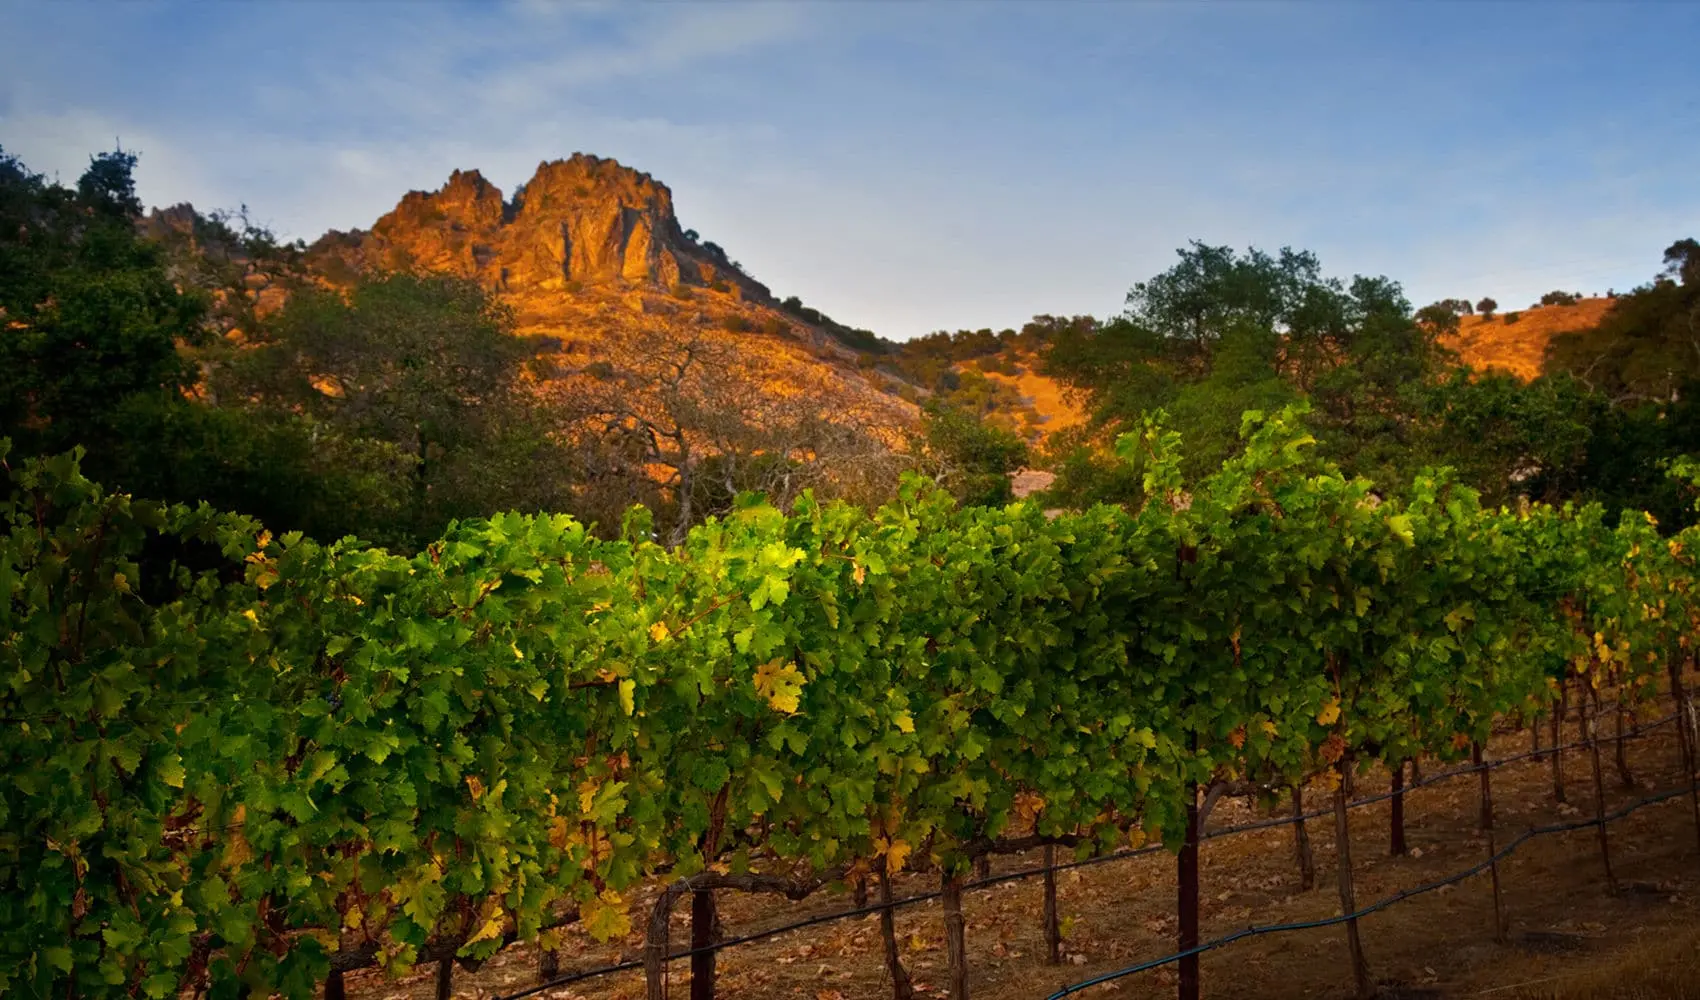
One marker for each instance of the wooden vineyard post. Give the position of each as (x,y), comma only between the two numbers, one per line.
(445,979)
(1301,842)
(1484,815)
(655,948)
(1590,733)
(955,942)
(1625,777)
(1187,885)
(1053,926)
(1685,740)
(1396,839)
(983,867)
(1558,740)
(548,966)
(900,986)
(703,920)
(859,893)
(1348,899)
(1499,921)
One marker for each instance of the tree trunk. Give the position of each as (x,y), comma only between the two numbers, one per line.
(1499,924)
(983,867)
(703,920)
(1053,926)
(548,966)
(859,893)
(900,986)
(1396,844)
(1187,884)
(1301,842)
(334,989)
(1590,733)
(1348,899)
(955,942)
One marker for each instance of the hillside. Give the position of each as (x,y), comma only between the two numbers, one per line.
(1498,343)
(1053,408)
(1038,405)
(591,254)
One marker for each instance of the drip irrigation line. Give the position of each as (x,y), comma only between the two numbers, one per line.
(1379,905)
(575,977)
(1126,854)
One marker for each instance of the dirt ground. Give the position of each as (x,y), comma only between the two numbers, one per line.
(1570,938)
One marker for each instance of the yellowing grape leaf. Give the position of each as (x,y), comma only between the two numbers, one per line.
(605,917)
(659,632)
(491,928)
(896,853)
(171,771)
(627,687)
(858,572)
(905,722)
(475,786)
(781,684)
(1330,713)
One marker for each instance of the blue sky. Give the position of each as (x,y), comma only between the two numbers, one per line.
(912,166)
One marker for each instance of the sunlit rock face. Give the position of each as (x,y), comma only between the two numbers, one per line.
(579,221)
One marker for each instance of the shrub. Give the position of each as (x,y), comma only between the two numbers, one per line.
(1512,317)
(682,291)
(719,285)
(736,323)
(776,327)
(1487,307)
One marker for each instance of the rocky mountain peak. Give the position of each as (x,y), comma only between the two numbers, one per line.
(577,222)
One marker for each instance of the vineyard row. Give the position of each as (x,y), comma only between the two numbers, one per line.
(238,762)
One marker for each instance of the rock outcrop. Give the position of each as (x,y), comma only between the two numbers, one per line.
(577,222)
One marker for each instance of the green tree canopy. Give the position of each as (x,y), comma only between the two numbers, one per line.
(88,316)
(973,458)
(427,365)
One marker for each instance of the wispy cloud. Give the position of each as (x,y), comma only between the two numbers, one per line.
(918,166)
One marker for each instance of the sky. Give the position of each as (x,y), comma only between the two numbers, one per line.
(916,166)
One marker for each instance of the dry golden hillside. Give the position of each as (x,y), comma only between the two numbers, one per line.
(1045,397)
(1493,344)
(593,262)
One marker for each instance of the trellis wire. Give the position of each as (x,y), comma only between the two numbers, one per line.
(1379,905)
(1125,854)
